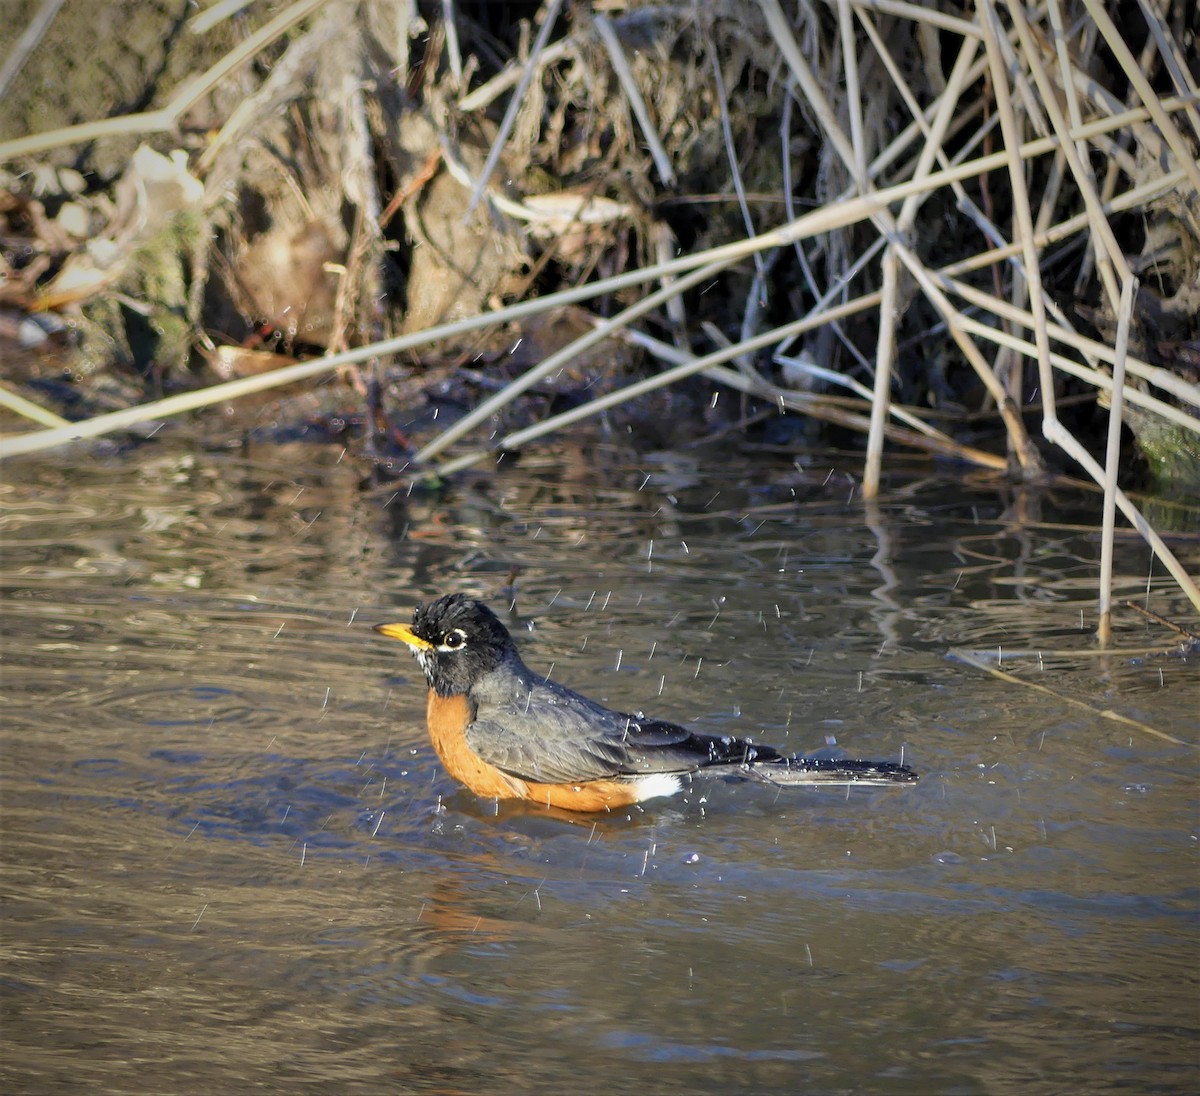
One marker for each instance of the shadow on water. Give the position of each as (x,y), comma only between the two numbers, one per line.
(231,858)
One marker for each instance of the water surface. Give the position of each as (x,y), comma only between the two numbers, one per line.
(232,860)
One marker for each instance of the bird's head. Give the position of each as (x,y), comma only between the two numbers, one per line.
(456,639)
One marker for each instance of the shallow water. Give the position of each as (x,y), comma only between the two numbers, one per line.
(232,861)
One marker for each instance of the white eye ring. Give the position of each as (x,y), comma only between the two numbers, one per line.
(454,640)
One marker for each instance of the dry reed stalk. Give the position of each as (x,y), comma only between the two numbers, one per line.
(885,358)
(833,410)
(1092,376)
(30,410)
(945,445)
(1111,262)
(689,366)
(1023,227)
(1112,267)
(819,221)
(918,13)
(796,230)
(564,357)
(1156,375)
(1173,60)
(1112,460)
(934,133)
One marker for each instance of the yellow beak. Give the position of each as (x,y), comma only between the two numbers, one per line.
(405,634)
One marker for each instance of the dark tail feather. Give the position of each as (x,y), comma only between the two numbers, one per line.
(791,771)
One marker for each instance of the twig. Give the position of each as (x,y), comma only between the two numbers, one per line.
(1104,713)
(165,119)
(616,55)
(1148,95)
(511,76)
(1178,629)
(514,106)
(27,43)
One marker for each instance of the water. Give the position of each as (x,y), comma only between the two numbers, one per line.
(232,861)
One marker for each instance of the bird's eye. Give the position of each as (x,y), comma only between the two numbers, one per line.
(454,640)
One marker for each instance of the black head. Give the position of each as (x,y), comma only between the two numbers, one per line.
(457,640)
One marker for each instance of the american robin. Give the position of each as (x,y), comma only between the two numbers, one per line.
(508,733)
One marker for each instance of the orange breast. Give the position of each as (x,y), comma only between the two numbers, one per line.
(448,718)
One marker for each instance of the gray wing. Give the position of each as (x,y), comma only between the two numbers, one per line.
(578,740)
(553,735)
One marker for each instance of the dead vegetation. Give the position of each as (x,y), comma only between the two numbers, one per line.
(940,228)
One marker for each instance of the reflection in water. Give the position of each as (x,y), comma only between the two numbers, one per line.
(232,858)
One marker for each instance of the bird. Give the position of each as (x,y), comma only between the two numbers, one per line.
(506,732)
